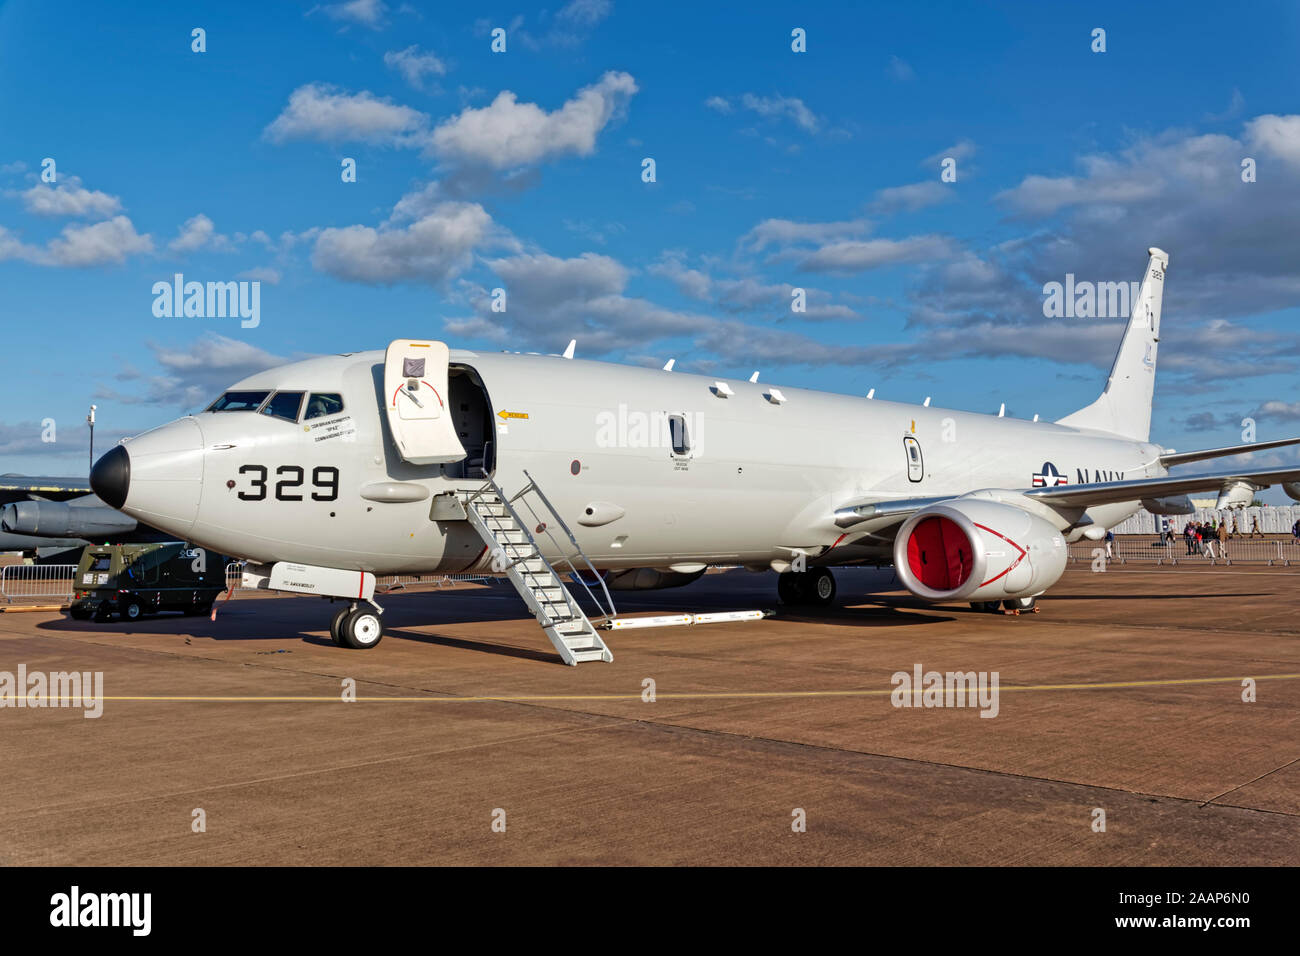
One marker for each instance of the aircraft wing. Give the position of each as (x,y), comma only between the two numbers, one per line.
(1171,458)
(880,514)
(1106,492)
(24,487)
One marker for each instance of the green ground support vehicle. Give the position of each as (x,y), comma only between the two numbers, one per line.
(132,580)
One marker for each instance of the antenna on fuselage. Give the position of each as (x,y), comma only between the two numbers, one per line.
(871,394)
(926,403)
(568,351)
(1002,410)
(1035,416)
(754,377)
(668,366)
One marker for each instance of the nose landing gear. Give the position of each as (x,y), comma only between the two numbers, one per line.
(359,628)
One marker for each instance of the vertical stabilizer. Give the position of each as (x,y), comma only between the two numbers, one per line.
(1124,407)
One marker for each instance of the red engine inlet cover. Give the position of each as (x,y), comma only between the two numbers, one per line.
(939,554)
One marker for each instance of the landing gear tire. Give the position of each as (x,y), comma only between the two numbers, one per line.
(790,588)
(336,624)
(361,629)
(819,587)
(815,587)
(1027,605)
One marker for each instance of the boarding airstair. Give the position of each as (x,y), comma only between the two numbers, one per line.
(512,527)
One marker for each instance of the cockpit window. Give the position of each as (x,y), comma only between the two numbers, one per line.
(238,402)
(284,405)
(323,403)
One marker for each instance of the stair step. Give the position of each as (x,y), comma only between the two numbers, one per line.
(545,590)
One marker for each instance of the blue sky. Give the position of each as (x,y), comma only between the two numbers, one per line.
(523,170)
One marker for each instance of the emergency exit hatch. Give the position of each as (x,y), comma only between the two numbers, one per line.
(415,391)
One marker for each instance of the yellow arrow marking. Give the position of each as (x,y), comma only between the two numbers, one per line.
(512,414)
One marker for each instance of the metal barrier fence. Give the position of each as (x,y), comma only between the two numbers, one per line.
(19,581)
(1242,549)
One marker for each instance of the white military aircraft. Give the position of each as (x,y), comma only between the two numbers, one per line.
(328,472)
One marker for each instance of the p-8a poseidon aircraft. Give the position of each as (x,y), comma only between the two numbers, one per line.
(326,473)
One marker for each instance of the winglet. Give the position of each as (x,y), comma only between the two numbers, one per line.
(568,351)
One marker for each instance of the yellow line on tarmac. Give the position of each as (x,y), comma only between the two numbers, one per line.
(720,695)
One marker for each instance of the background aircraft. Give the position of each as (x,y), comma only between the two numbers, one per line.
(49,516)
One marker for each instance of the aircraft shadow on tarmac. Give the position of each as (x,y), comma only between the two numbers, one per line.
(408,613)
(1167,596)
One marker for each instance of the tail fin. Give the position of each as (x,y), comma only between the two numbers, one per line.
(1124,408)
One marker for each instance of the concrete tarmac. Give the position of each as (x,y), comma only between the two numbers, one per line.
(1122,695)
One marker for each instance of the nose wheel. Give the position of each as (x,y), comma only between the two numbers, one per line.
(359,628)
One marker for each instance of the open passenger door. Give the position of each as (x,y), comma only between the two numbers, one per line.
(415,392)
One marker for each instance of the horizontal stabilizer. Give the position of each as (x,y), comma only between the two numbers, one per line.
(1182,458)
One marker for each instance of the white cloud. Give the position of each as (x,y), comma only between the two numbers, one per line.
(1277,135)
(69,198)
(507,134)
(718,104)
(861,255)
(782,107)
(785,231)
(261,274)
(747,293)
(585,13)
(568,28)
(197,232)
(900,69)
(103,243)
(432,248)
(366,13)
(191,377)
(543,281)
(414,65)
(961,150)
(1107,182)
(320,112)
(911,197)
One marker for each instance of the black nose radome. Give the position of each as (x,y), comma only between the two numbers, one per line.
(111,477)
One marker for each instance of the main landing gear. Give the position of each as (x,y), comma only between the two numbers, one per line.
(356,627)
(1027,605)
(815,587)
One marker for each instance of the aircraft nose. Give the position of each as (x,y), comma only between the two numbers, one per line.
(155,477)
(111,477)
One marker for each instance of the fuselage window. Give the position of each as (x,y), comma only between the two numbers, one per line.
(323,403)
(284,405)
(239,402)
(681,440)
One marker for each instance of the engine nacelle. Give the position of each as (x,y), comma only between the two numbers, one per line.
(61,519)
(972,549)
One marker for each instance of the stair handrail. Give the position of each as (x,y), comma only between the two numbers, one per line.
(501,496)
(600,578)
